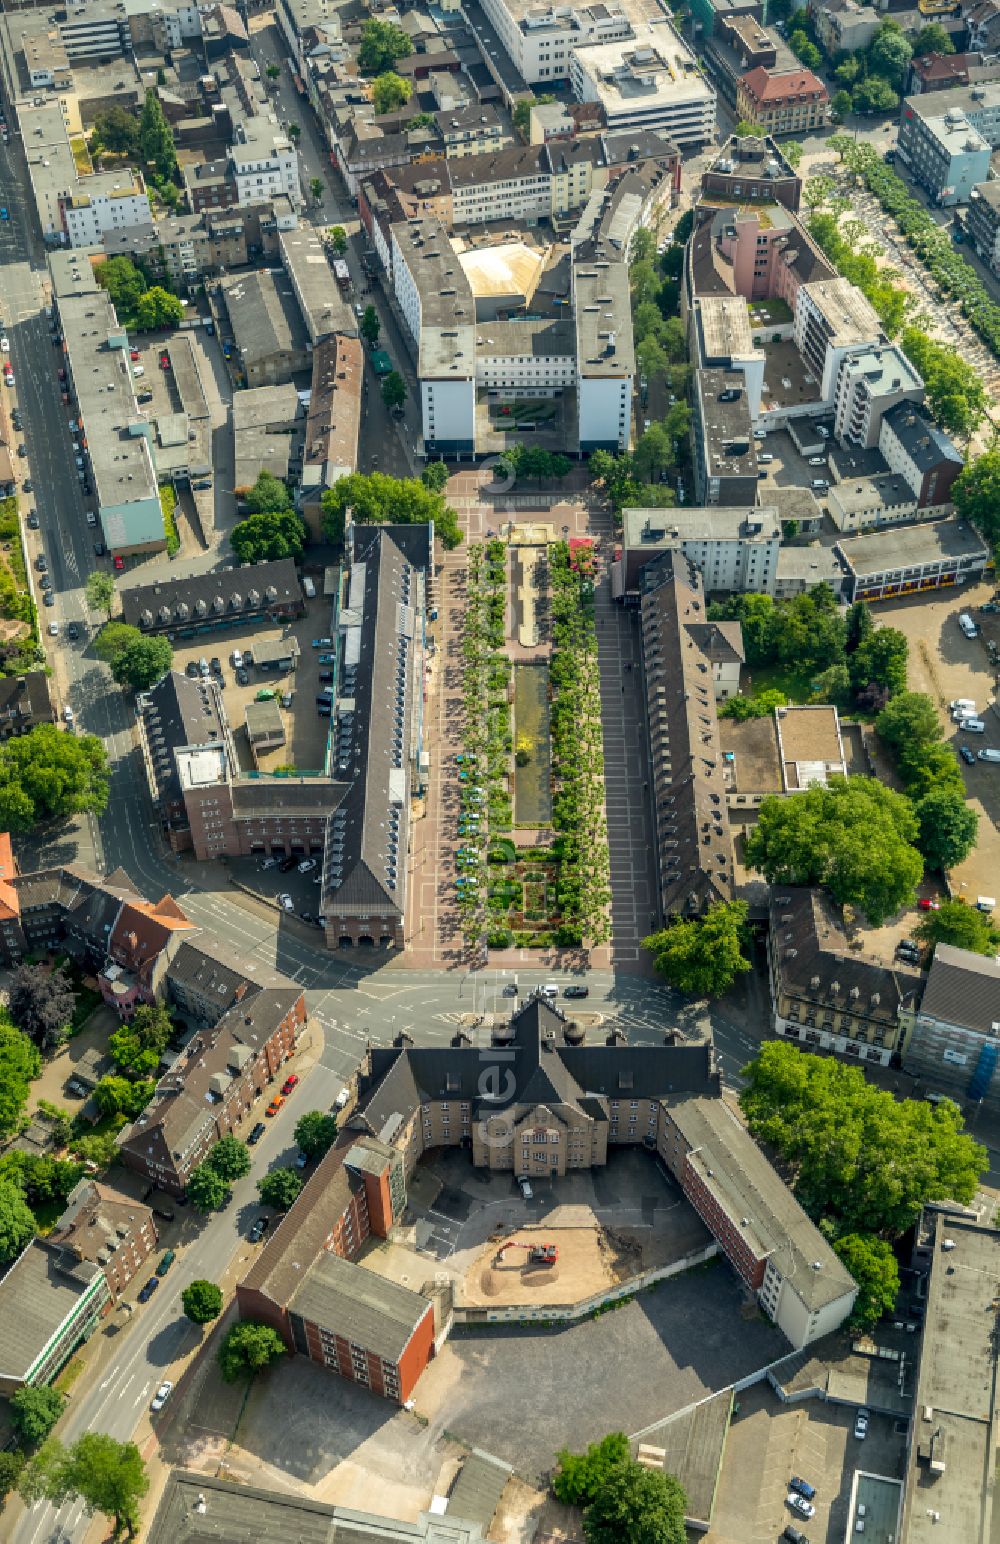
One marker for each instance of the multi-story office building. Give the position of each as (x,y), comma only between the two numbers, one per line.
(871,381)
(49,1305)
(264,162)
(605,354)
(540,41)
(921,453)
(94,32)
(735,550)
(751,168)
(653,82)
(832,319)
(945,138)
(725,451)
(438,309)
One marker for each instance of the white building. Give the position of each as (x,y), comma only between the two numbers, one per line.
(98,31)
(109,201)
(438,308)
(540,39)
(264,162)
(73,210)
(653,84)
(605,353)
(832,319)
(736,550)
(869,382)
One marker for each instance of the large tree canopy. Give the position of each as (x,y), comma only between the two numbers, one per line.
(46,775)
(108,1476)
(855,837)
(873,1265)
(41,1002)
(703,956)
(377,499)
(382,43)
(265,537)
(248,1348)
(858,1157)
(957,923)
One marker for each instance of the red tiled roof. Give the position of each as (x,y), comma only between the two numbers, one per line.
(9,904)
(764,86)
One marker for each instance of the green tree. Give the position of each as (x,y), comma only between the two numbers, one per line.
(279,1188)
(840,105)
(756,615)
(948,827)
(832,685)
(390,91)
(580,1476)
(880,661)
(370,326)
(19,1064)
(654,453)
(873,1265)
(377,499)
(106,1475)
(847,71)
(142,662)
(41,1002)
(805,50)
(747,129)
(262,538)
(139,1044)
(229,1158)
(874,95)
(932,39)
(315,1132)
(393,390)
(855,837)
(860,1161)
(295,132)
(435,476)
(202,1302)
(961,925)
(338,239)
(268,496)
(125,285)
(273,72)
(156,140)
(99,591)
(889,54)
(316,189)
(791,149)
(17,1225)
(34,1412)
(644,1506)
(617,477)
(703,956)
(955,393)
(11,1465)
(248,1348)
(206,1188)
(118,131)
(52,775)
(99,1148)
(382,43)
(976,494)
(121,1096)
(909,718)
(157,308)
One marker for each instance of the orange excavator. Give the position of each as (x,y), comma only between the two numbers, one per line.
(538,1254)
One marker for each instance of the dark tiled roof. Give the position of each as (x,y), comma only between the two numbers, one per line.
(964,989)
(366,1309)
(291,1249)
(251,590)
(179,712)
(25,699)
(813,955)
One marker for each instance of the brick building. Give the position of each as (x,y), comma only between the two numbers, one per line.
(783,102)
(24,702)
(108,1229)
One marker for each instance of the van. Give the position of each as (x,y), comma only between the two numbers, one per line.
(967,625)
(237,659)
(765,458)
(308,588)
(972,725)
(820,485)
(817,461)
(989,755)
(985,903)
(962,702)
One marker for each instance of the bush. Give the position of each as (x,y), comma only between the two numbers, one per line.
(499,938)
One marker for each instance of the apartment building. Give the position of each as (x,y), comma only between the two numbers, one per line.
(921,453)
(203,603)
(439,312)
(734,549)
(724,449)
(871,381)
(825,993)
(832,318)
(76,210)
(264,162)
(945,138)
(605,352)
(694,851)
(783,101)
(650,83)
(99,373)
(333,424)
(951,1039)
(105,1228)
(935,553)
(983,221)
(24,702)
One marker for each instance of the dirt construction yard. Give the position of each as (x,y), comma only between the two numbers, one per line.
(505,1273)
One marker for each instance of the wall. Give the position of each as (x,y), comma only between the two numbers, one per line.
(604,418)
(448,411)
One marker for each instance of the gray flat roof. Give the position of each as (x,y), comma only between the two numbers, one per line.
(602,311)
(366,1309)
(447,309)
(265,315)
(36,1297)
(323,308)
(931,541)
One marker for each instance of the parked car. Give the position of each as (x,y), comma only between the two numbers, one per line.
(861,1424)
(133,354)
(256,1134)
(326,675)
(322,643)
(215,665)
(257,1230)
(928,903)
(800,1504)
(290,1082)
(34,523)
(286,903)
(242,677)
(73,631)
(164,1213)
(28,486)
(147,1291)
(576,991)
(307,865)
(794,1535)
(287,864)
(302,1161)
(524,1187)
(328,659)
(802,1487)
(98,549)
(166,1262)
(205,482)
(164,360)
(118,562)
(967,755)
(275,1105)
(162,1395)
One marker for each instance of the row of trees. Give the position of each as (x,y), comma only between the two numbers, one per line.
(861,1162)
(209,1186)
(946,825)
(532,461)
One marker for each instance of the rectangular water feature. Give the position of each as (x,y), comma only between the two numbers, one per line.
(533,782)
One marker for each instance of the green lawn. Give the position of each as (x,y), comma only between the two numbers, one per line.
(796,683)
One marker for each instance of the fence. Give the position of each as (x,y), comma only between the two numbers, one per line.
(569,1313)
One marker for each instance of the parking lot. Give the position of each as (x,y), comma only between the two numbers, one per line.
(947,666)
(770,1441)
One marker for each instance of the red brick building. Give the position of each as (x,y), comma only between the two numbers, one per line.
(106,1228)
(783,102)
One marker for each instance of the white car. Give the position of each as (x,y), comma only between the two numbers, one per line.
(524,1186)
(137,371)
(285,901)
(5,344)
(162,1395)
(800,1504)
(68,714)
(550,989)
(53,629)
(861,1425)
(307,865)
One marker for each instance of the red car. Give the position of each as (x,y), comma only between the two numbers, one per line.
(119,562)
(928,905)
(164,361)
(289,1083)
(133,353)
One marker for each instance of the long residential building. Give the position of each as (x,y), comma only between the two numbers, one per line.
(694,849)
(114,434)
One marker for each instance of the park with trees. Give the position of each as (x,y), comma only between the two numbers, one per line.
(860,1161)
